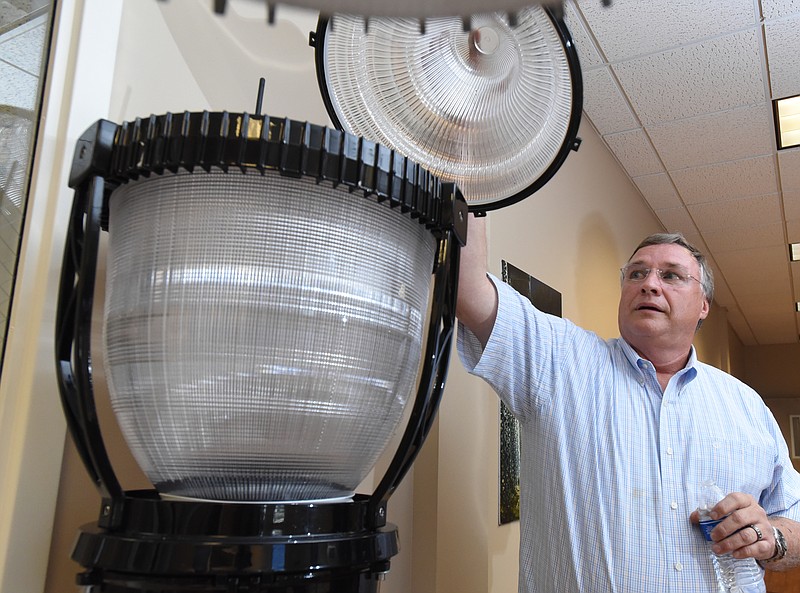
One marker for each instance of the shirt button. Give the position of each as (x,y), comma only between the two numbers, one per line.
(678,566)
(673,505)
(669,450)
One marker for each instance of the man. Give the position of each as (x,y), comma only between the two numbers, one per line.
(617,436)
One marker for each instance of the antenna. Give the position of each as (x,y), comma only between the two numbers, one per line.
(260,96)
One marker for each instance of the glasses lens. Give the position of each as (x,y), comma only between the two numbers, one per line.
(635,273)
(674,276)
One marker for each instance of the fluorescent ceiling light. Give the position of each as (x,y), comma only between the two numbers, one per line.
(787,121)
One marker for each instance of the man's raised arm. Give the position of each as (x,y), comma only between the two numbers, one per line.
(476,307)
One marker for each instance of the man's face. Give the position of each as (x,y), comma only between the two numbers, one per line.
(654,313)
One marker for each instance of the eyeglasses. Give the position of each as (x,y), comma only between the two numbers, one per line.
(674,276)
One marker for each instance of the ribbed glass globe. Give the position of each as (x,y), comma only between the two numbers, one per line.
(263,333)
(489,108)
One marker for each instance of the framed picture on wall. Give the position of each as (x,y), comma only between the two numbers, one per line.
(794,429)
(548,300)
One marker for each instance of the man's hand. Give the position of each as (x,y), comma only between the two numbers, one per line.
(745,531)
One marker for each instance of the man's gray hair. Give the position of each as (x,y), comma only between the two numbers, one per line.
(706,275)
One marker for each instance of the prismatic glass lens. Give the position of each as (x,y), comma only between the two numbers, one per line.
(263,333)
(488,108)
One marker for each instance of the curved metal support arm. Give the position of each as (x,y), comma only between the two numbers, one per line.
(73,343)
(431,384)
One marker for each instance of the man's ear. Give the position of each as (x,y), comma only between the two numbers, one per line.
(705,310)
(703,313)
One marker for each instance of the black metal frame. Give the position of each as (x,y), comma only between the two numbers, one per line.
(571,140)
(205,542)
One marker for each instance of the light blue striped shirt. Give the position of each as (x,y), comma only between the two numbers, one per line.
(611,467)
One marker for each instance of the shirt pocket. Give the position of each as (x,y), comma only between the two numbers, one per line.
(741,465)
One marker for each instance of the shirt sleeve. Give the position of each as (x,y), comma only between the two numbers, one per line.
(783,498)
(524,353)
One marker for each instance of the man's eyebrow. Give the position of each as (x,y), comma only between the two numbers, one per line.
(672,264)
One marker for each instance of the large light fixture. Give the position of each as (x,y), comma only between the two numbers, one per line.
(267,293)
(492,102)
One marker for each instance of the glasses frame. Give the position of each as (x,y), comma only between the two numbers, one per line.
(659,273)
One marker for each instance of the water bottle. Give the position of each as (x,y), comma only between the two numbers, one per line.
(733,575)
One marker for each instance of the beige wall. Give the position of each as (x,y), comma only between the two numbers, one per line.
(711,341)
(774,371)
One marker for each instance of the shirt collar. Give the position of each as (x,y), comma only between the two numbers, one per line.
(690,370)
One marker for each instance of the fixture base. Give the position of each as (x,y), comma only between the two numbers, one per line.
(168,546)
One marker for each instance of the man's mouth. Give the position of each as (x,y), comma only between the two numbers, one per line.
(648,308)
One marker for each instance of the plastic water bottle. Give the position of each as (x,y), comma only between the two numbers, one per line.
(733,575)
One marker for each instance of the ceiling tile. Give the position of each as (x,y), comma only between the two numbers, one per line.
(735,215)
(791,205)
(676,220)
(634,151)
(604,103)
(658,191)
(783,49)
(789,166)
(722,294)
(774,331)
(696,239)
(587,51)
(773,300)
(716,137)
(762,265)
(725,240)
(725,181)
(625,32)
(792,231)
(741,327)
(780,287)
(771,325)
(714,75)
(778,8)
(795,271)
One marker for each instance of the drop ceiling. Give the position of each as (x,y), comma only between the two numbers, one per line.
(681,92)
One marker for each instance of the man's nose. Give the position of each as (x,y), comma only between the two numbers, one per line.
(652,282)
